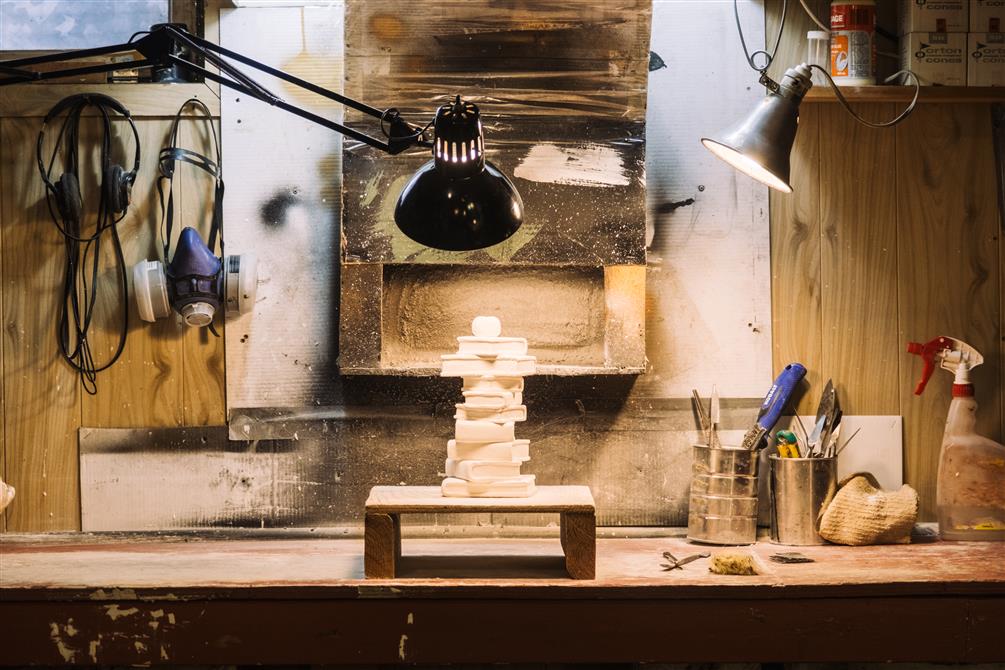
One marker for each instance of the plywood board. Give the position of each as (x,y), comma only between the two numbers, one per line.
(140,99)
(284,181)
(561,87)
(3,378)
(316,467)
(709,300)
(796,286)
(859,242)
(399,319)
(41,394)
(949,274)
(185,477)
(144,387)
(202,356)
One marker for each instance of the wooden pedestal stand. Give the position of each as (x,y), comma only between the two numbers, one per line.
(386,504)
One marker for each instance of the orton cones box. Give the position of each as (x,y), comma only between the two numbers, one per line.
(986,59)
(931,16)
(987,16)
(937,58)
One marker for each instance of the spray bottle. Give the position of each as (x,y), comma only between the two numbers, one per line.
(970,492)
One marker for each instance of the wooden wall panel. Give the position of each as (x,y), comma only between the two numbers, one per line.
(561,85)
(858,253)
(41,393)
(909,244)
(3,379)
(202,358)
(949,271)
(795,264)
(168,375)
(143,388)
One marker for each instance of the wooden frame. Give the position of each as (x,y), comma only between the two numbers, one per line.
(367,344)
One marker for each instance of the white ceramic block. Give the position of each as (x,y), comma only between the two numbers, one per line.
(492,399)
(517,450)
(493,383)
(507,414)
(483,431)
(490,347)
(482,471)
(517,487)
(467,365)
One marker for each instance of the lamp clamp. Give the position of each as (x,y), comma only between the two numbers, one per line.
(768,83)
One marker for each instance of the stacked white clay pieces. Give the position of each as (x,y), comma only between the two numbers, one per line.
(484,458)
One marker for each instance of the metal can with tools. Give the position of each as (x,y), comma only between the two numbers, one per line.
(723,500)
(801,489)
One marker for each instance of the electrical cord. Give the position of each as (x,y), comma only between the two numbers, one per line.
(80,293)
(875,124)
(392,113)
(773,86)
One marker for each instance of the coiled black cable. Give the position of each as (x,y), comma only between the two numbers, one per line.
(83,253)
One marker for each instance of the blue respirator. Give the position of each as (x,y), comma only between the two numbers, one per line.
(196,283)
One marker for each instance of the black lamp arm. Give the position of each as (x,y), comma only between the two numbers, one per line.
(156,47)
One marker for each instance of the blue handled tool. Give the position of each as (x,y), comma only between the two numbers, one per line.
(773,405)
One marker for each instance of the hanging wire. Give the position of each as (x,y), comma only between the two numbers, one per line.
(813,16)
(773,86)
(750,56)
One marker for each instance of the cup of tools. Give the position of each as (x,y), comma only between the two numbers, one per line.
(723,502)
(800,490)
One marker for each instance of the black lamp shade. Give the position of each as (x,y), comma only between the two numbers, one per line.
(760,144)
(458,201)
(459,214)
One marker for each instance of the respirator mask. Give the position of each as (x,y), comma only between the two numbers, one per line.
(196,282)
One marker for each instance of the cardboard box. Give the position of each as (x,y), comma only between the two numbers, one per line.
(986,59)
(937,58)
(987,16)
(931,16)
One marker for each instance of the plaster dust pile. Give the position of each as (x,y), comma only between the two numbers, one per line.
(484,458)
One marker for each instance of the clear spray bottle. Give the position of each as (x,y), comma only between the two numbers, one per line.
(970,492)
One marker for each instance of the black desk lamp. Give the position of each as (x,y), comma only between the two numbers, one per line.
(457,202)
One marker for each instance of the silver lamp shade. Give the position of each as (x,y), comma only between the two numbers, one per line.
(759,146)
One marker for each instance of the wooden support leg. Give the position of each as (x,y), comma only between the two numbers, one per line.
(396,522)
(380,546)
(579,541)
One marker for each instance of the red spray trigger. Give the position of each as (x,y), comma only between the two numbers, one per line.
(927,352)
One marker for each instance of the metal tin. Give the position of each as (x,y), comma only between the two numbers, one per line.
(723,501)
(801,489)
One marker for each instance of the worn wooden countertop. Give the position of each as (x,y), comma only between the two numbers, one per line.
(296,598)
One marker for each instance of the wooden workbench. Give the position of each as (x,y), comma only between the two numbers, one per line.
(287,598)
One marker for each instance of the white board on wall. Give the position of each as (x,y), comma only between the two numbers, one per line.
(709,281)
(284,177)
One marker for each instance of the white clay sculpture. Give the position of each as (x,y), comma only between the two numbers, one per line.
(484,458)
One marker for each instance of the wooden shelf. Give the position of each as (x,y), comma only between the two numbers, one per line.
(142,100)
(943,94)
(141,599)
